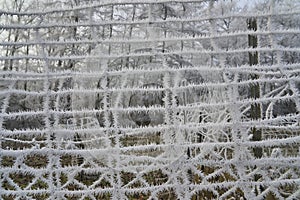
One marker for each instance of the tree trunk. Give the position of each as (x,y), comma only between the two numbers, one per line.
(255,111)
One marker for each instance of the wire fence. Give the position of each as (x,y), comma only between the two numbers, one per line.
(143,99)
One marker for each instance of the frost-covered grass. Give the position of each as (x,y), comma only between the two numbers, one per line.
(205,174)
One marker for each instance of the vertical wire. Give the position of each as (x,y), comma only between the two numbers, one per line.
(48,128)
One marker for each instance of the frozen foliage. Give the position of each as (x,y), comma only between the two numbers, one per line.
(149,99)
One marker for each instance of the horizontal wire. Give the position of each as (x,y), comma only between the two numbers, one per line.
(149,40)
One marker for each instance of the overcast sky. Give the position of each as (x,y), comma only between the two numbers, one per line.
(250,3)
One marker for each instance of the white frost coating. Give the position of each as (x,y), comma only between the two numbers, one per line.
(156,99)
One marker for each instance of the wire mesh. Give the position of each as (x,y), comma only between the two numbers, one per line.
(143,99)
